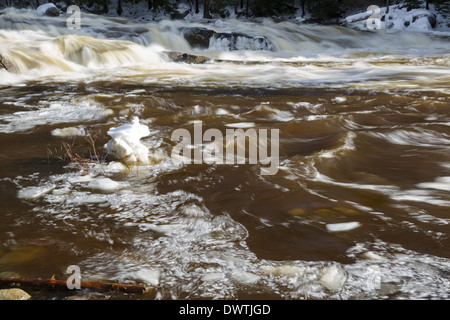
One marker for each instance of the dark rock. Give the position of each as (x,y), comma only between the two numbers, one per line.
(201,38)
(52,12)
(4,64)
(198,37)
(430,16)
(179,15)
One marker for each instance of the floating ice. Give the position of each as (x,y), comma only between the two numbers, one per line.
(149,276)
(125,144)
(283,270)
(333,278)
(346,226)
(441,183)
(69,132)
(372,256)
(245,277)
(35,192)
(104,184)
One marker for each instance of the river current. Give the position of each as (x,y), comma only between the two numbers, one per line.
(359,207)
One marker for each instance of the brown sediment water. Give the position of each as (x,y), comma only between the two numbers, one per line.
(362,184)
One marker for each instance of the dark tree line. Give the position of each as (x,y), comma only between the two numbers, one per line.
(318,10)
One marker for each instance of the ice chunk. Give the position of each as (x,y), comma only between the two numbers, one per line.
(114,167)
(346,226)
(69,132)
(441,183)
(245,277)
(212,276)
(125,144)
(372,256)
(35,192)
(283,270)
(104,184)
(333,278)
(79,179)
(149,276)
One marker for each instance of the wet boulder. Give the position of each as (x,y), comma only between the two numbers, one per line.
(203,38)
(14,294)
(4,63)
(48,9)
(198,37)
(238,41)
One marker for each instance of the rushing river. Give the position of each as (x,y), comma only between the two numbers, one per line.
(359,207)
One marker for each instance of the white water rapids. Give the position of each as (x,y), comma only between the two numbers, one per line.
(106,48)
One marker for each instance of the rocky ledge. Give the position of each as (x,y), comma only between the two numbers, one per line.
(203,38)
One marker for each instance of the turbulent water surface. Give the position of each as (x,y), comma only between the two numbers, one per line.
(359,207)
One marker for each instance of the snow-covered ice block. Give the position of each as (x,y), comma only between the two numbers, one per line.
(125,144)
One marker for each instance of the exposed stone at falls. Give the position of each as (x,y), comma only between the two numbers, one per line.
(203,38)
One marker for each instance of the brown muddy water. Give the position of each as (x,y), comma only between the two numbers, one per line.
(359,207)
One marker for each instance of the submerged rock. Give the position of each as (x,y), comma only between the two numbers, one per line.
(14,294)
(4,64)
(22,255)
(34,192)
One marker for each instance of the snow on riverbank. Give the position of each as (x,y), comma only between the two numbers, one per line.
(399,18)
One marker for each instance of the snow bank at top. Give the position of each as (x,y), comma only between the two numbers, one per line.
(397,19)
(125,144)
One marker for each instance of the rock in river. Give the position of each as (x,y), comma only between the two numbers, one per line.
(203,38)
(14,294)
